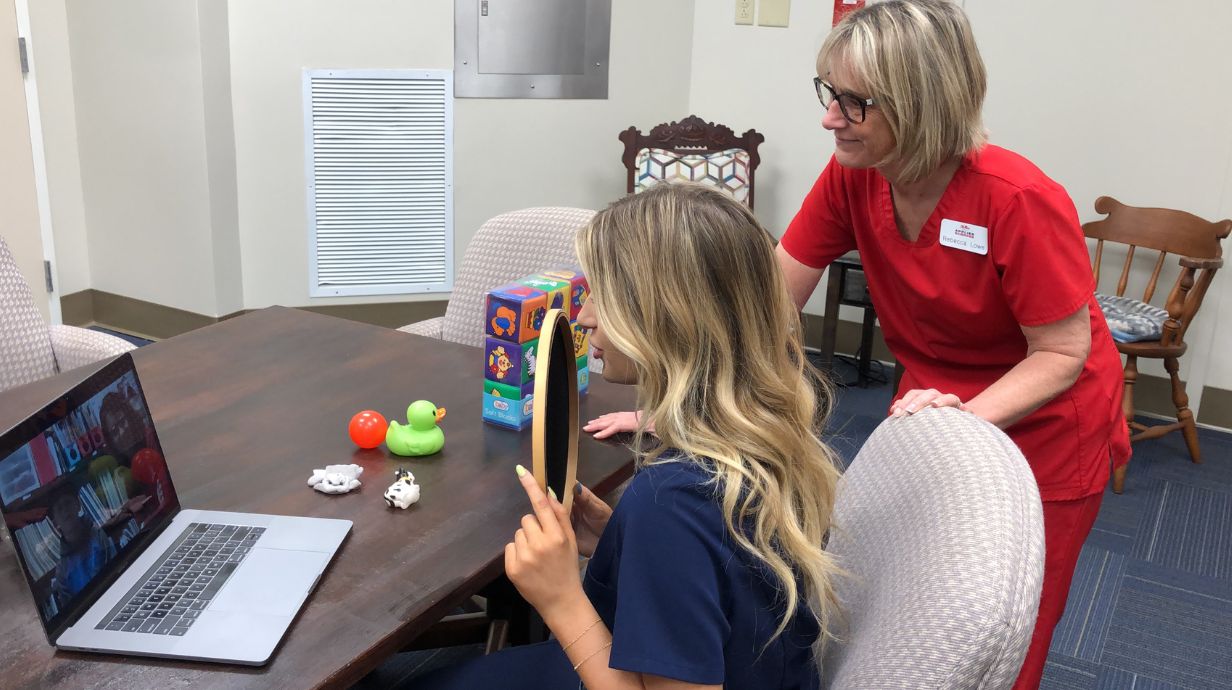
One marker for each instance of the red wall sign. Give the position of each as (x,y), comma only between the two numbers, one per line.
(844,7)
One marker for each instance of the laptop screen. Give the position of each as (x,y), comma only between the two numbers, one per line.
(84,487)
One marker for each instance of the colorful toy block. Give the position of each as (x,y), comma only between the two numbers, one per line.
(510,413)
(512,364)
(579,288)
(581,341)
(515,313)
(514,317)
(556,289)
(583,375)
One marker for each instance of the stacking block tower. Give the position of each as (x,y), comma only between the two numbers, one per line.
(513,318)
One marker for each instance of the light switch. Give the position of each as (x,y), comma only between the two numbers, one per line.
(744,11)
(774,12)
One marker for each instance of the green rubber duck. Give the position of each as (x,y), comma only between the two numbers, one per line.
(420,436)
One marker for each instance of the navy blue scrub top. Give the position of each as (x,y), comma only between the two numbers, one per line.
(682,600)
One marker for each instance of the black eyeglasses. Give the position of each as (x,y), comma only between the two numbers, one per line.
(852,106)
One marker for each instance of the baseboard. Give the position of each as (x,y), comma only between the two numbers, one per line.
(1152,394)
(156,321)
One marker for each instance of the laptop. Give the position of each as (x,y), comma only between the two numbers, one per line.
(113,561)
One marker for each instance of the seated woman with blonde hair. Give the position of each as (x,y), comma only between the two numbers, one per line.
(710,571)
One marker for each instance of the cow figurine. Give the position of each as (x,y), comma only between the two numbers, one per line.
(403,492)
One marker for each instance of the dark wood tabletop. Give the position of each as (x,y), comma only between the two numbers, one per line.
(245,410)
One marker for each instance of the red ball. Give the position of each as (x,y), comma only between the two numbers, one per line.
(367,429)
(148,466)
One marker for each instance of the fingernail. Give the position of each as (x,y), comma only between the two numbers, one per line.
(552,493)
(520,470)
(577,487)
(911,408)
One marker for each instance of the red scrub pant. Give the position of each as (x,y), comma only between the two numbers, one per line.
(1066,526)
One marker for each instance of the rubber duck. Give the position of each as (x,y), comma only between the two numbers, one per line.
(420,436)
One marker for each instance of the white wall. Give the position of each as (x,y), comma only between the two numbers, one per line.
(54,75)
(190,141)
(509,153)
(20,223)
(137,85)
(1127,99)
(1080,88)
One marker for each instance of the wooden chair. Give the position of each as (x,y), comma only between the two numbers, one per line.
(1196,243)
(692,150)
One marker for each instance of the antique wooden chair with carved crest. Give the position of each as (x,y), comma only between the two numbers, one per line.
(1142,329)
(692,150)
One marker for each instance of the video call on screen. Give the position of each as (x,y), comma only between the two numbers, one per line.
(81,490)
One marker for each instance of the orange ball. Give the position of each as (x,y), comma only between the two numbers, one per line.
(367,429)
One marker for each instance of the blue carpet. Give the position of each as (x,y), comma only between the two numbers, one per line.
(1150,607)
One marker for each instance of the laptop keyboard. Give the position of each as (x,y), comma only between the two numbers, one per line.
(176,589)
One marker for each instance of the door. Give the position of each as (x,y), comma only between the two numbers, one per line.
(19,217)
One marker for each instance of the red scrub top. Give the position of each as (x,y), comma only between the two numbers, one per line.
(952,314)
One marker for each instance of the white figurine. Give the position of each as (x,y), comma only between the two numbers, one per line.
(403,492)
(336,479)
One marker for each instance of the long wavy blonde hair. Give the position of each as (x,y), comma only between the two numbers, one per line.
(686,285)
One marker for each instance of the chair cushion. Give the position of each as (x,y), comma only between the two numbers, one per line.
(505,248)
(727,170)
(25,346)
(1132,320)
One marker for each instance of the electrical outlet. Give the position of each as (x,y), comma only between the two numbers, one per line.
(744,12)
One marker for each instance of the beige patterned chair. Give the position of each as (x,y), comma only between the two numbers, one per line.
(939,522)
(507,247)
(30,349)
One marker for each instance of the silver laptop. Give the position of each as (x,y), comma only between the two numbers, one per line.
(115,564)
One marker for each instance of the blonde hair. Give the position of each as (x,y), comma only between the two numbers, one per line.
(686,285)
(919,63)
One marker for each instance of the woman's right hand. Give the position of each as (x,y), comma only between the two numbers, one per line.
(614,423)
(589,517)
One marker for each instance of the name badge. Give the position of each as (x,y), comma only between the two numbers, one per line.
(964,236)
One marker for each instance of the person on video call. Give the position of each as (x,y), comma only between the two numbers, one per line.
(84,547)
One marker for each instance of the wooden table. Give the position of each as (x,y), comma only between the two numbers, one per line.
(245,410)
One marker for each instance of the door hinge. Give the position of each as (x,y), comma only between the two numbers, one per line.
(25,57)
(47,275)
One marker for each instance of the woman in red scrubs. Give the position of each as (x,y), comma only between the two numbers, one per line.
(975,262)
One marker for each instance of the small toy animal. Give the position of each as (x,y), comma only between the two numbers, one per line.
(336,479)
(403,492)
(420,436)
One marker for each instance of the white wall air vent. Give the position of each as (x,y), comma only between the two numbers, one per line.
(379,152)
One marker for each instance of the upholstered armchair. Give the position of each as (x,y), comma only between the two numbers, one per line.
(505,248)
(939,526)
(30,348)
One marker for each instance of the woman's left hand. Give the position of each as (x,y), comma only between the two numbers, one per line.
(917,399)
(542,559)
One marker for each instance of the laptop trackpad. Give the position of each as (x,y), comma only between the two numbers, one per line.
(271,581)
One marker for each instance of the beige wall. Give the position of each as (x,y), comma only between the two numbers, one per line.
(1086,105)
(54,74)
(190,169)
(20,227)
(137,85)
(508,153)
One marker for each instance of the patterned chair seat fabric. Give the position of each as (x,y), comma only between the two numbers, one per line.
(30,349)
(939,524)
(727,170)
(505,248)
(1132,320)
